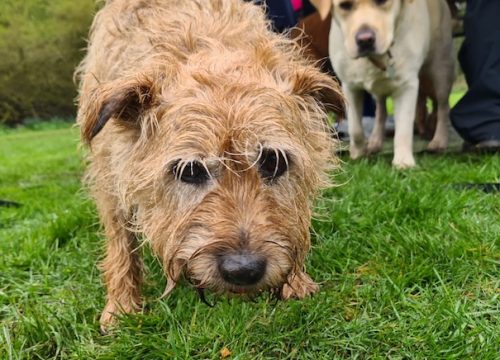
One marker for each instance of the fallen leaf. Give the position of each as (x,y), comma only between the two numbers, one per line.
(225,353)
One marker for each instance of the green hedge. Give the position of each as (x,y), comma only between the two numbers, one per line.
(41,42)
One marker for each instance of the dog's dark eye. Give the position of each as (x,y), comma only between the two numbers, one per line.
(346,5)
(272,164)
(380,2)
(192,172)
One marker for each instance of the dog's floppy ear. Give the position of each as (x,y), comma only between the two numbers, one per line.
(323,6)
(125,100)
(322,87)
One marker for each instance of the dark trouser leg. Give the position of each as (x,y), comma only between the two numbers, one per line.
(477,116)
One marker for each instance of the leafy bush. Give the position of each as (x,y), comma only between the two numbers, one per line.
(41,42)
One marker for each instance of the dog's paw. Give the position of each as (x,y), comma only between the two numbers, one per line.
(299,286)
(356,152)
(403,162)
(108,318)
(109,315)
(437,145)
(374,145)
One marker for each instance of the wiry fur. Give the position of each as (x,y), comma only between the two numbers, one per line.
(166,82)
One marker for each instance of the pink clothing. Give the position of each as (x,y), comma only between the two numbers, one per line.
(296,4)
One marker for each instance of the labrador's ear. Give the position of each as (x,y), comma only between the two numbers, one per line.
(323,6)
(124,100)
(323,88)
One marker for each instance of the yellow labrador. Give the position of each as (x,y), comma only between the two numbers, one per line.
(389,48)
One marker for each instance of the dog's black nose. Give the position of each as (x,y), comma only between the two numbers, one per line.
(365,39)
(242,269)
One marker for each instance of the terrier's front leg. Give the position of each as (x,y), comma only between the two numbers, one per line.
(122,270)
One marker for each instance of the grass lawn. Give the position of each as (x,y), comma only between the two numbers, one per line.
(409,267)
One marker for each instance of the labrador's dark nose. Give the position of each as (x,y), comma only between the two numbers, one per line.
(242,269)
(365,39)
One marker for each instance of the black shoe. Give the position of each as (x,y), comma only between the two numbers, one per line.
(487,146)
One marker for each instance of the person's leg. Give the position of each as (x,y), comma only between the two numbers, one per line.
(476,117)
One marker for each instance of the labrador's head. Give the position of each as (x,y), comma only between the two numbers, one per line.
(367,26)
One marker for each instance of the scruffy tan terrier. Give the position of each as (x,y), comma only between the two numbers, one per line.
(207,137)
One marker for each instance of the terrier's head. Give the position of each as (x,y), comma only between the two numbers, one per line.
(220,166)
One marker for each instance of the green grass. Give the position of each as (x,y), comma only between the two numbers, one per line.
(455,96)
(409,267)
